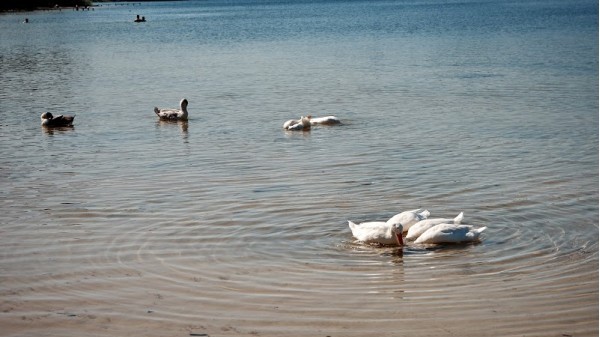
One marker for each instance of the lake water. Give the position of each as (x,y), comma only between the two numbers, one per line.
(228,225)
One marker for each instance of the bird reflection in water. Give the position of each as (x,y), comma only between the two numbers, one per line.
(182,124)
(51,131)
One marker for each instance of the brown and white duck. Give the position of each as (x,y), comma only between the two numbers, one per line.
(61,120)
(174,114)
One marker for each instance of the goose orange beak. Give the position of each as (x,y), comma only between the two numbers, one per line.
(399,239)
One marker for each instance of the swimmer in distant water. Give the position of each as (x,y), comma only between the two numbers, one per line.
(138,19)
(26,20)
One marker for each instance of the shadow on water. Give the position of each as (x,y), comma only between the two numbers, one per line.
(297,134)
(51,131)
(396,254)
(409,250)
(183,127)
(447,247)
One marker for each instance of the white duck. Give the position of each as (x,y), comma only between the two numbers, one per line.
(409,218)
(420,227)
(377,232)
(450,233)
(302,124)
(174,114)
(327,120)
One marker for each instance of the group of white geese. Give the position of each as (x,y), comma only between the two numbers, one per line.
(418,227)
(416,223)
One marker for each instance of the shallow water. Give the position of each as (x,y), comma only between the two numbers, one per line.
(228,225)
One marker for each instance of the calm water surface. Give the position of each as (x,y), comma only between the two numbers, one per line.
(227,225)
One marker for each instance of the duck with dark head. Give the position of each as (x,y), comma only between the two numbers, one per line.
(49,120)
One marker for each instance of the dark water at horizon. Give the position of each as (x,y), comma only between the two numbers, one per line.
(228,225)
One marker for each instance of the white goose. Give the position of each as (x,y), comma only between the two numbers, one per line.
(377,232)
(450,233)
(327,120)
(420,227)
(409,218)
(302,124)
(174,114)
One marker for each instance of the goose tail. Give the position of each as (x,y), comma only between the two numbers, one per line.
(351,224)
(424,214)
(477,232)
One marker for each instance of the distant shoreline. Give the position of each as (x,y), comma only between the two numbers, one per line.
(32,5)
(35,5)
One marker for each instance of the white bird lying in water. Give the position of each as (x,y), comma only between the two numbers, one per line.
(60,120)
(327,120)
(174,114)
(377,232)
(302,124)
(420,227)
(409,218)
(450,233)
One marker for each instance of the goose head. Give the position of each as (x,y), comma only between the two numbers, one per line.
(183,104)
(46,115)
(305,121)
(397,230)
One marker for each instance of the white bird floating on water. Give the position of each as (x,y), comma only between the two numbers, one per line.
(377,232)
(326,120)
(420,227)
(302,124)
(409,218)
(423,230)
(60,120)
(386,233)
(174,114)
(450,233)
